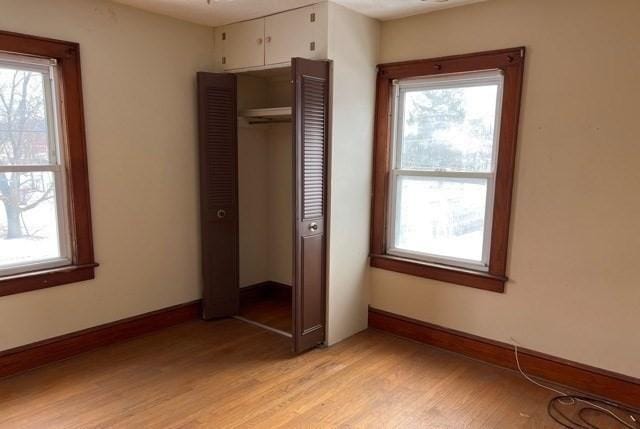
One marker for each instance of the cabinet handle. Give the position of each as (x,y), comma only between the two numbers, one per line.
(260,41)
(268,39)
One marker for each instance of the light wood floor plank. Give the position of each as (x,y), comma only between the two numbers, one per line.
(229,374)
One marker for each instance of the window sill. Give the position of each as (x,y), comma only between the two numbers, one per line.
(443,273)
(26,282)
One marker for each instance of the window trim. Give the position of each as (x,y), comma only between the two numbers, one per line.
(78,208)
(511,63)
(55,127)
(457,80)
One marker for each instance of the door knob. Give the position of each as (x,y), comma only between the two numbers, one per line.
(313,227)
(221,214)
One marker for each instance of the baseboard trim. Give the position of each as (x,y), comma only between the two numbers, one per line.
(265,289)
(33,355)
(584,378)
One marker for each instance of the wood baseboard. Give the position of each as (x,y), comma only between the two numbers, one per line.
(264,290)
(584,378)
(33,355)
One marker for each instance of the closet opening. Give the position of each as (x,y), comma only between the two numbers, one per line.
(265,198)
(264,152)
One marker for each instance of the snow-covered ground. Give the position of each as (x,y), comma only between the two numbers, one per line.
(42,243)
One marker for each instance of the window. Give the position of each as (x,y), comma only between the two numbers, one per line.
(33,224)
(443,168)
(445,145)
(45,226)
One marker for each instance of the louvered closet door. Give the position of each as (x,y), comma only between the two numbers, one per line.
(311,117)
(218,193)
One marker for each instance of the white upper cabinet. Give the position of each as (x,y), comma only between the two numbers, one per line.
(296,33)
(274,40)
(243,44)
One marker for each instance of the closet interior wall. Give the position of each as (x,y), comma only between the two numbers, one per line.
(265,168)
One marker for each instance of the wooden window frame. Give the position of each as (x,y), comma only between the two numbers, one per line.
(82,265)
(511,63)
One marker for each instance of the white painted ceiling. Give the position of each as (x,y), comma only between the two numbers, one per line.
(221,12)
(391,9)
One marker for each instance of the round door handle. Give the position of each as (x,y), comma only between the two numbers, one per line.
(222,214)
(313,227)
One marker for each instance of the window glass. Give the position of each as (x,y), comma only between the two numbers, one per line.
(441,217)
(24,129)
(443,173)
(449,129)
(32,218)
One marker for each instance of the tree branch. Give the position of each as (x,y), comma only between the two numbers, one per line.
(46,196)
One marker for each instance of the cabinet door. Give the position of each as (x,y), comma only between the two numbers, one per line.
(218,193)
(292,34)
(310,138)
(243,44)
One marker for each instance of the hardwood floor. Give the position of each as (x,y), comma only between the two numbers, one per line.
(229,374)
(273,311)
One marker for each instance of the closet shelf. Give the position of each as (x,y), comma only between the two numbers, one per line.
(267,115)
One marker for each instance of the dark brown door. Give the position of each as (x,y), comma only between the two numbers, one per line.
(310,138)
(218,193)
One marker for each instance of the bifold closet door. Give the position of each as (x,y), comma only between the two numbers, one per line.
(310,135)
(219,193)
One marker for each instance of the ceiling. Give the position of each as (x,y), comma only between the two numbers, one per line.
(392,9)
(221,12)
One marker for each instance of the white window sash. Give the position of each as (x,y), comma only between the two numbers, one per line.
(27,63)
(44,264)
(29,168)
(494,77)
(52,91)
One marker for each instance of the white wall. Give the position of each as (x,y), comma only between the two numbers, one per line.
(574,289)
(353,47)
(139,92)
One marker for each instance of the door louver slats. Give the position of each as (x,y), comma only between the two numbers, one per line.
(311,125)
(218,193)
(219,129)
(313,129)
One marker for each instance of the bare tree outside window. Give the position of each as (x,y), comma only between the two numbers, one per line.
(23,141)
(29,166)
(45,211)
(444,168)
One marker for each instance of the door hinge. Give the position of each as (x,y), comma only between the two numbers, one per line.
(312,46)
(224,36)
(224,60)
(312,17)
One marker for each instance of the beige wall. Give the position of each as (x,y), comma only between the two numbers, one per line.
(253,179)
(280,137)
(265,183)
(253,205)
(139,92)
(266,203)
(280,223)
(353,47)
(574,289)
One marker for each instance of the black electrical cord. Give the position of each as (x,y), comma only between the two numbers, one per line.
(580,421)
